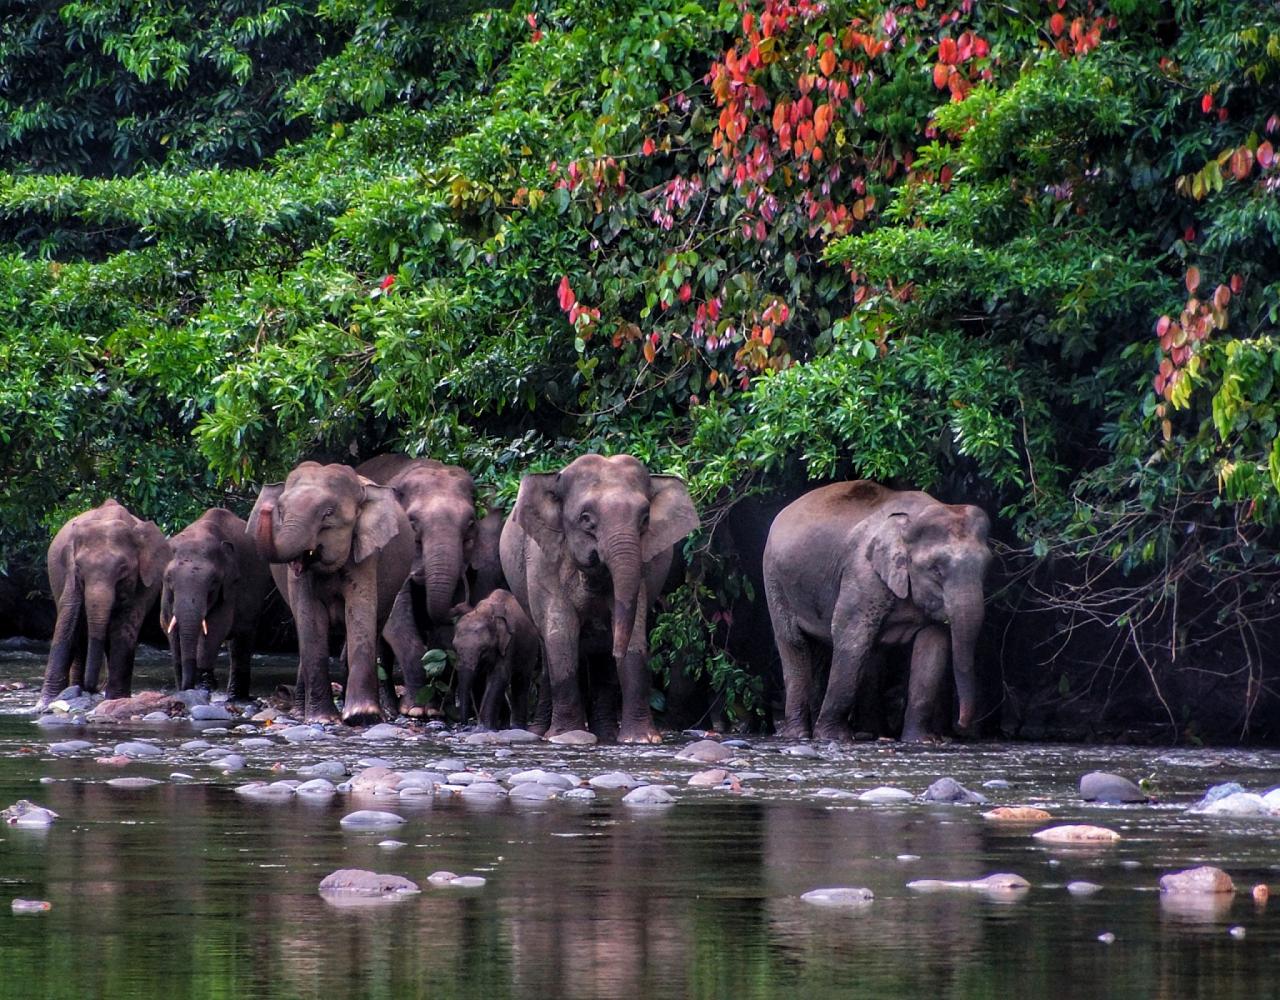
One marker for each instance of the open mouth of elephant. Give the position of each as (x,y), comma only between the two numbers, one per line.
(305,561)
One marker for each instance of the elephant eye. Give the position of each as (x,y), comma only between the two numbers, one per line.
(587,521)
(644,520)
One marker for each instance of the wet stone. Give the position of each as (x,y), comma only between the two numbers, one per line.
(467,882)
(801,750)
(195,745)
(578,795)
(574,738)
(371,819)
(135,748)
(518,736)
(541,777)
(885,794)
(211,713)
(447,765)
(611,780)
(483,738)
(420,779)
(260,791)
(1217,792)
(705,752)
(995,783)
(950,790)
(256,743)
(1102,786)
(483,790)
(323,769)
(231,762)
(1077,833)
(317,788)
(532,791)
(839,897)
(215,753)
(1001,882)
(835,793)
(28,815)
(710,778)
(133,782)
(361,882)
(383,731)
(302,734)
(70,746)
(1017,814)
(441,878)
(1205,880)
(1083,888)
(648,795)
(58,721)
(1237,804)
(157,717)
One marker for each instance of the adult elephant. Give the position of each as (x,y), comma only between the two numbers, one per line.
(853,566)
(105,567)
(340,547)
(440,502)
(214,588)
(585,551)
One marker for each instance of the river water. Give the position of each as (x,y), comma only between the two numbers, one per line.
(186,889)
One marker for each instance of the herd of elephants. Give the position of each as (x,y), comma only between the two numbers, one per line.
(552,599)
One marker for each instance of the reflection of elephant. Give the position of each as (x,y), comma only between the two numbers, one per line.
(342,548)
(853,565)
(214,588)
(104,568)
(586,551)
(440,503)
(497,644)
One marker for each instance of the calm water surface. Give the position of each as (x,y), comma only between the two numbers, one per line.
(187,890)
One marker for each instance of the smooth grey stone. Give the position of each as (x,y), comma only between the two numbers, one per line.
(447,765)
(210,713)
(1217,792)
(800,750)
(391,845)
(705,752)
(371,819)
(421,779)
(21,906)
(244,729)
(213,730)
(157,717)
(441,878)
(648,795)
(195,745)
(180,776)
(256,743)
(532,791)
(57,721)
(192,697)
(366,883)
(29,815)
(375,762)
(1237,804)
(574,738)
(950,790)
(1272,799)
(215,753)
(383,731)
(519,736)
(133,782)
(483,738)
(885,794)
(467,882)
(839,897)
(995,783)
(1103,786)
(793,776)
(615,779)
(231,762)
(69,693)
(736,744)
(302,734)
(317,788)
(133,748)
(324,769)
(416,791)
(578,794)
(541,777)
(464,778)
(70,746)
(261,791)
(483,790)
(835,793)
(502,753)
(1082,888)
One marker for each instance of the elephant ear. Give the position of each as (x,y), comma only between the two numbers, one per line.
(888,554)
(230,563)
(538,509)
(503,633)
(153,552)
(671,515)
(270,494)
(377,522)
(977,522)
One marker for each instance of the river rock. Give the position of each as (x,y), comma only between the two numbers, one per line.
(1272,800)
(612,780)
(115,760)
(157,717)
(800,750)
(214,753)
(366,883)
(374,780)
(648,795)
(1217,792)
(123,709)
(371,819)
(26,906)
(58,721)
(260,791)
(1238,804)
(1002,882)
(885,794)
(532,791)
(441,878)
(574,738)
(420,779)
(1083,888)
(710,778)
(255,743)
(303,734)
(1102,786)
(1205,880)
(996,783)
(835,793)
(840,897)
(138,749)
(317,788)
(467,882)
(383,731)
(323,769)
(70,746)
(447,765)
(231,762)
(518,736)
(133,782)
(482,738)
(950,790)
(483,790)
(578,794)
(542,777)
(192,697)
(28,815)
(1077,833)
(195,745)
(705,752)
(211,713)
(1017,814)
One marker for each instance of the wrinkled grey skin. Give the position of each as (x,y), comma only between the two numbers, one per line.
(486,561)
(439,501)
(497,645)
(214,588)
(341,548)
(105,567)
(853,566)
(585,551)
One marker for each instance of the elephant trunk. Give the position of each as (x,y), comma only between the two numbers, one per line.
(622,555)
(442,569)
(99,602)
(965,615)
(190,614)
(265,537)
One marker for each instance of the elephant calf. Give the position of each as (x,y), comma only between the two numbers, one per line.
(104,568)
(855,565)
(214,588)
(497,644)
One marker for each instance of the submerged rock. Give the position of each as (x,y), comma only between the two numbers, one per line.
(1205,880)
(262,792)
(999,883)
(705,752)
(950,790)
(1017,814)
(483,790)
(518,736)
(70,746)
(317,788)
(211,713)
(835,793)
(532,791)
(885,794)
(578,794)
(324,769)
(574,738)
(136,748)
(648,795)
(1103,786)
(28,815)
(231,762)
(362,882)
(30,906)
(611,780)
(441,878)
(1083,888)
(1238,804)
(371,819)
(1079,833)
(123,709)
(467,882)
(710,778)
(541,777)
(134,782)
(840,897)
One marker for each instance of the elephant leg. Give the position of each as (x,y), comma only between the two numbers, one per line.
(602,697)
(637,681)
(930,655)
(868,708)
(312,695)
(518,696)
(361,706)
(238,676)
(561,646)
(62,652)
(541,720)
(495,695)
(797,677)
(853,637)
(122,647)
(402,635)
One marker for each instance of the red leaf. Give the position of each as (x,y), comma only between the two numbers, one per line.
(1193,278)
(567,298)
(685,293)
(648,147)
(1273,125)
(1237,283)
(1241,163)
(1206,103)
(387,282)
(1221,296)
(649,352)
(1189,234)
(1265,155)
(947,52)
(1057,24)
(940,73)
(1162,325)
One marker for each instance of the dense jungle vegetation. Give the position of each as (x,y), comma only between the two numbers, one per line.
(1023,254)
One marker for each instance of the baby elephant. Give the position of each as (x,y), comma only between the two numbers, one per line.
(497,642)
(214,588)
(854,566)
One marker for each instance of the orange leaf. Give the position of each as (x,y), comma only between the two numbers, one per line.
(948,51)
(649,352)
(827,63)
(1056,24)
(940,73)
(1221,296)
(1241,163)
(1193,278)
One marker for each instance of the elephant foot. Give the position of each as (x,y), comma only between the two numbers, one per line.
(558,728)
(794,731)
(639,734)
(837,732)
(365,713)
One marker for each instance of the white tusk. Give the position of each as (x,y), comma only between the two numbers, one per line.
(204,626)
(172,622)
